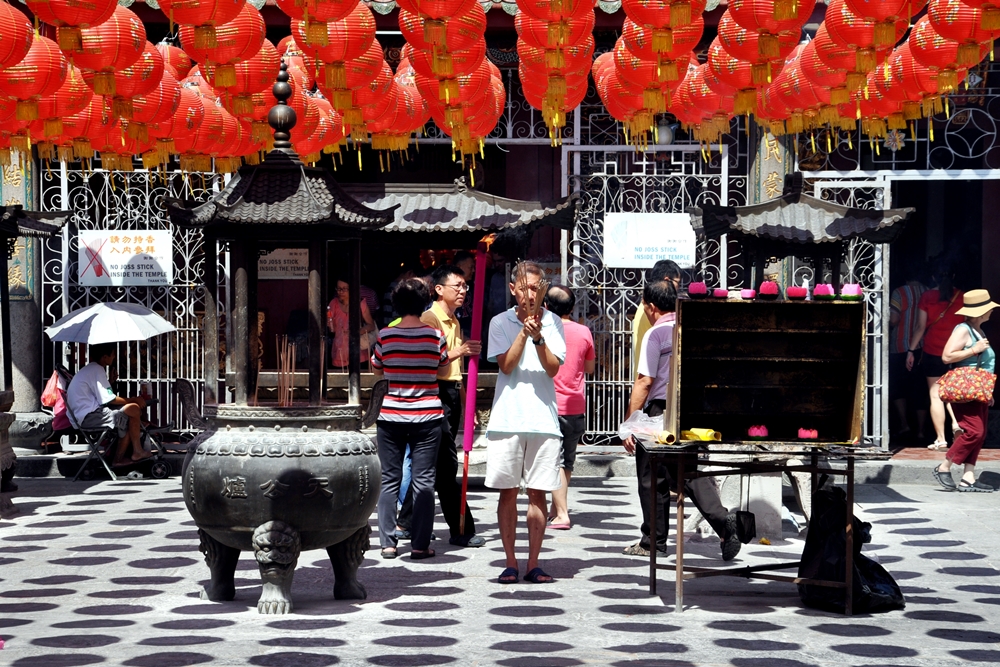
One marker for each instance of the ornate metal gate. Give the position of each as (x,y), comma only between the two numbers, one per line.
(130,202)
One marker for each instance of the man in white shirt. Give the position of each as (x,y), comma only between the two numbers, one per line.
(523,435)
(649,394)
(90,399)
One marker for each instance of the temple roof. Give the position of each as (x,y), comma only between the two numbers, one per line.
(797,219)
(279,191)
(457,208)
(15,221)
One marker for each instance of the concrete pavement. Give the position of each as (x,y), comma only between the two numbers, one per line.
(108,574)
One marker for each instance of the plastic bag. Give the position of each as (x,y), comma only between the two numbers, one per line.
(639,423)
(51,392)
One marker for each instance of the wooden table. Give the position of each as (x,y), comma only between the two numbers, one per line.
(765,457)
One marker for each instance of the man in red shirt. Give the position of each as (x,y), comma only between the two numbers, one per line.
(570,394)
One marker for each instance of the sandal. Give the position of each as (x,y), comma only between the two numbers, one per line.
(389,553)
(635,550)
(538,576)
(938,446)
(978,487)
(422,555)
(509,576)
(944,478)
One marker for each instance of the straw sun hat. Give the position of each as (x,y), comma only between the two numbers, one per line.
(976,303)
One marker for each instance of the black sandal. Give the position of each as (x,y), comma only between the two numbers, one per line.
(421,555)
(978,487)
(389,553)
(944,478)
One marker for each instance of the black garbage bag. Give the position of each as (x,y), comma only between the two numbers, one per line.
(824,558)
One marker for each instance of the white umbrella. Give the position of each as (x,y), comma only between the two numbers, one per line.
(109,323)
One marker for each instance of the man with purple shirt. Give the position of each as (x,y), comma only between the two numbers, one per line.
(570,394)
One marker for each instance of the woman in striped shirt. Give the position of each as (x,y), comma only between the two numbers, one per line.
(409,355)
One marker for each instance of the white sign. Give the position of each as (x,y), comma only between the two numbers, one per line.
(126,257)
(639,240)
(284,264)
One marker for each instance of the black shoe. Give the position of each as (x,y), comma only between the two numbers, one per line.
(405,535)
(467,541)
(731,540)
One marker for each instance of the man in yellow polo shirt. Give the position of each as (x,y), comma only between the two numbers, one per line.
(451,288)
(665,269)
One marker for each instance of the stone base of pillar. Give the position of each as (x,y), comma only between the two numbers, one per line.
(8,460)
(30,430)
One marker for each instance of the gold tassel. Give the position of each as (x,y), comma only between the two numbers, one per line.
(794,123)
(990,19)
(759,73)
(864,59)
(259,131)
(930,129)
(65,153)
(435,31)
(104,83)
(968,54)
(5,157)
(855,80)
(242,105)
(667,71)
(884,34)
(150,159)
(663,40)
(342,100)
(352,117)
(768,46)
(680,14)
(558,34)
(447,89)
(442,64)
(122,107)
(785,10)
(839,96)
(745,102)
(53,127)
(26,110)
(205,37)
(225,76)
(555,59)
(70,39)
(165,148)
(82,149)
(336,76)
(897,121)
(947,81)
(911,110)
(317,34)
(138,131)
(21,142)
(652,99)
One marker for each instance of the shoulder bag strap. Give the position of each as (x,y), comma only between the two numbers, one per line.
(945,311)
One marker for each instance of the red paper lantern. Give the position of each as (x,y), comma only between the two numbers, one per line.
(181,124)
(71,15)
(316,14)
(72,97)
(885,14)
(205,15)
(90,123)
(662,13)
(157,106)
(437,9)
(455,91)
(39,74)
(460,32)
(306,124)
(919,81)
(358,73)
(254,75)
(990,18)
(640,40)
(408,114)
(446,65)
(572,58)
(140,78)
(822,75)
(235,41)
(289,51)
(553,34)
(758,16)
(735,73)
(15,36)
(958,21)
(940,55)
(175,59)
(646,76)
(838,57)
(857,33)
(349,38)
(770,112)
(326,137)
(745,45)
(110,47)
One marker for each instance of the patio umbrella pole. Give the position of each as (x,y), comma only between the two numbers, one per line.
(468,431)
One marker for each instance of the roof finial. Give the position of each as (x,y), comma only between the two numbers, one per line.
(281,117)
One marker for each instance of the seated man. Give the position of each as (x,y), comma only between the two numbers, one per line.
(91,399)
(649,394)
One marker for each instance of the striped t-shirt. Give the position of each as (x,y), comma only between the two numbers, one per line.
(410,358)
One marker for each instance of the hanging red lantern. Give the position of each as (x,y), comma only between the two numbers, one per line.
(715,109)
(204,15)
(885,14)
(110,47)
(254,75)
(198,83)
(39,74)
(349,38)
(940,55)
(735,73)
(838,57)
(175,59)
(87,125)
(180,125)
(294,57)
(306,124)
(990,18)
(392,132)
(72,97)
(744,44)
(553,34)
(758,16)
(644,75)
(893,86)
(327,136)
(358,73)
(446,65)
(140,78)
(920,82)
(798,95)
(639,40)
(461,32)
(16,34)
(572,58)
(770,112)
(455,91)
(824,76)
(236,41)
(858,34)
(117,151)
(962,23)
(157,106)
(316,14)
(437,9)
(71,15)
(661,13)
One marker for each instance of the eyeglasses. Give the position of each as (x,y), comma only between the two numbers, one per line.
(343,289)
(460,287)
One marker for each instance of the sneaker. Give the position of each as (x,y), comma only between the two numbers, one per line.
(467,541)
(731,540)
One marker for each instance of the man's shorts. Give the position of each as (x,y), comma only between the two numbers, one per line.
(532,457)
(573,427)
(106,418)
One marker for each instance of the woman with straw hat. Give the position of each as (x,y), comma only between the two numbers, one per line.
(968,346)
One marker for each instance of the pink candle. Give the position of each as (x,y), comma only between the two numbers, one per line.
(823,291)
(796,292)
(720,293)
(748,293)
(697,290)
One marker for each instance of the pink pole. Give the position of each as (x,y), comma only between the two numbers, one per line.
(468,431)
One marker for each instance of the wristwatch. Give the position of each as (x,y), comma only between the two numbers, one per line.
(540,341)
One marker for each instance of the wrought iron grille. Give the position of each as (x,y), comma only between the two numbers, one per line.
(668,179)
(127,202)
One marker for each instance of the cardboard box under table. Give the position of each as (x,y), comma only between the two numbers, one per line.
(785,365)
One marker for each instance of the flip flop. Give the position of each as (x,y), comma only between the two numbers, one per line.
(560,526)
(509,576)
(538,576)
